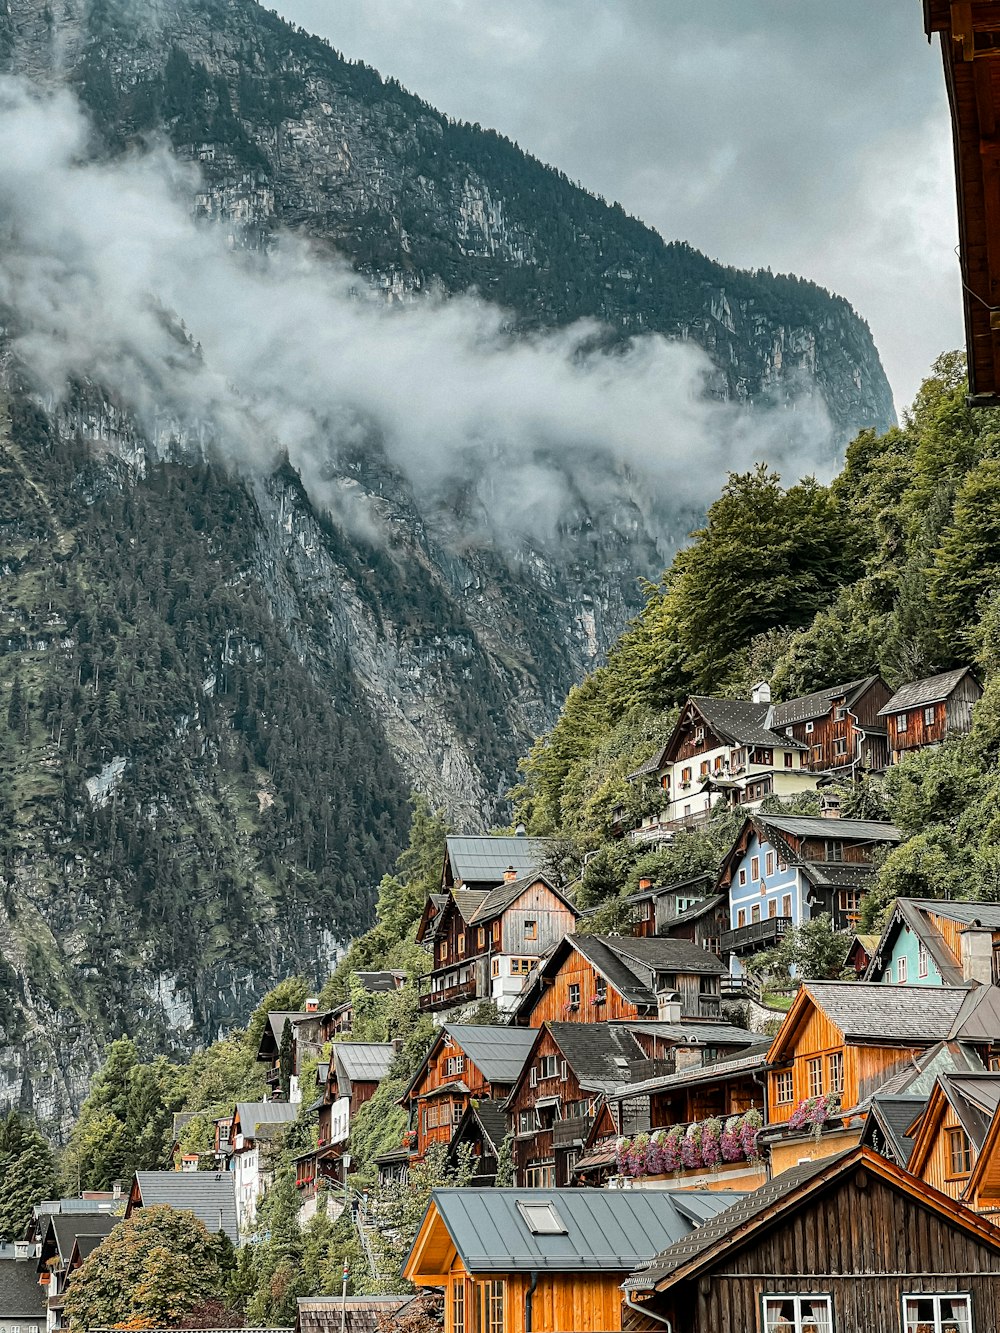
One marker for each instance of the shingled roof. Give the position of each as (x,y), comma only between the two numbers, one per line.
(840,830)
(598,1053)
(20,1295)
(810,706)
(741,722)
(921,693)
(893,1115)
(889,1015)
(209,1195)
(499,899)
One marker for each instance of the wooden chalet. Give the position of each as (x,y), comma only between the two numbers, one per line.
(840,726)
(257,1129)
(970,43)
(466,1063)
(721,751)
(848,1243)
(269,1048)
(982,1193)
(889,1125)
(482,1130)
(949,1132)
(860,952)
(513,1261)
(58,1235)
(687,910)
(484,942)
(354,1072)
(570,1068)
(589,978)
(782,870)
(927,712)
(483,863)
(930,942)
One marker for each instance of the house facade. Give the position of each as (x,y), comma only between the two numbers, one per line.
(254,1127)
(928,942)
(927,712)
(840,726)
(949,1134)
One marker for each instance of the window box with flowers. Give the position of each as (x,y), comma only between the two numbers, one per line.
(704,1144)
(814,1112)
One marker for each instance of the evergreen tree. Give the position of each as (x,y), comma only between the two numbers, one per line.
(27,1173)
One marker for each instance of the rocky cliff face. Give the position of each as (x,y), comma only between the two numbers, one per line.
(216,693)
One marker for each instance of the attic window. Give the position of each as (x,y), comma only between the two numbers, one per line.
(541,1219)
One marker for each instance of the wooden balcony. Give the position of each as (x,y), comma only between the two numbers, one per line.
(447,996)
(571,1132)
(758,935)
(665,829)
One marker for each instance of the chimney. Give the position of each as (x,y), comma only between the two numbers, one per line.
(645,884)
(520,831)
(509,875)
(761,693)
(22,1251)
(116,1190)
(829,804)
(397,1044)
(668,1006)
(977,955)
(312,1005)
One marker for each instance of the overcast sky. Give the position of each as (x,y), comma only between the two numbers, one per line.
(808,136)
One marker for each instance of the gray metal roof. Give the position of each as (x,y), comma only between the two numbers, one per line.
(498,1052)
(20,1294)
(716,1071)
(661,954)
(975,1098)
(363,1061)
(839,830)
(492,1121)
(917,1077)
(978,1020)
(919,693)
(377,982)
(693,1031)
(275,1026)
(210,1196)
(818,704)
(478,860)
(971,913)
(253,1114)
(889,1015)
(607,1229)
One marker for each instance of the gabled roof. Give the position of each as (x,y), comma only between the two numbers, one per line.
(974,1098)
(781,1197)
(270,1039)
(484,860)
(921,693)
(505,895)
(598,1053)
(363,1061)
(892,1116)
(84,1247)
(978,1021)
(818,704)
(875,1014)
(604,1229)
(497,1051)
(20,1294)
(377,982)
(740,722)
(252,1114)
(910,912)
(839,830)
(679,886)
(210,1196)
(491,1119)
(916,1078)
(63,1229)
(697,912)
(735,1065)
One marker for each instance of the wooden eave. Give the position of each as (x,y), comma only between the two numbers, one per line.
(508,1101)
(928,1124)
(987,1163)
(782,1048)
(433,1253)
(970,44)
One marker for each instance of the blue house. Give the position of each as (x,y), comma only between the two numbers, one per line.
(928,942)
(783,870)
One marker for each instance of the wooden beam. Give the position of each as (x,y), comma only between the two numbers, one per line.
(962,31)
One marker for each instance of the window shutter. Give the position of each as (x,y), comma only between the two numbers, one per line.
(533,1077)
(563,1071)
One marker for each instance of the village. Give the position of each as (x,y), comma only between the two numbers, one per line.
(653,1138)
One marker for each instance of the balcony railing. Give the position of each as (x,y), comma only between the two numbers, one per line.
(445,996)
(666,828)
(757,935)
(571,1132)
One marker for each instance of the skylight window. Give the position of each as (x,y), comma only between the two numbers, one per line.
(542,1219)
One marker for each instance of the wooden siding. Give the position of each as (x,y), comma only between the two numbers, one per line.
(538,1146)
(551,1005)
(865,1246)
(853,729)
(725,1098)
(434,1078)
(561,1302)
(952,717)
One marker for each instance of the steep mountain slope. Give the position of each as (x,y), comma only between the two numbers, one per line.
(217,686)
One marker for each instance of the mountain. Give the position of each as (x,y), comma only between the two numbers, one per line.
(236,634)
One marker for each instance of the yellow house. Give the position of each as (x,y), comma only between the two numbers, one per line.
(546,1261)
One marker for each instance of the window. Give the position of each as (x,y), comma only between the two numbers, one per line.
(574,993)
(444,950)
(755,867)
(458,1306)
(849,902)
(531,930)
(840,745)
(741,917)
(600,989)
(699,734)
(755,912)
(835,851)
(900,721)
(835,1071)
(810,728)
(929,717)
(959,1153)
(743,876)
(784,1087)
(548,1067)
(921,959)
(491,1307)
(901,971)
(520,967)
(496,931)
(814,1069)
(457,1111)
(430,1118)
(937,1314)
(718,762)
(527,1122)
(789,759)
(786,905)
(495,967)
(461,943)
(817,754)
(539,1175)
(703,769)
(542,1219)
(480,944)
(798,1314)
(772,907)
(840,712)
(686,775)
(454,1065)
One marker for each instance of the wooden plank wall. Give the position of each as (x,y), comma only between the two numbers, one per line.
(551,1004)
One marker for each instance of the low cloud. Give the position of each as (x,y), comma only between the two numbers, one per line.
(106,274)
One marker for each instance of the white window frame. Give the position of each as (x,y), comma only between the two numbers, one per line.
(795,1299)
(930,716)
(937,1297)
(810,728)
(901,721)
(922,968)
(901,970)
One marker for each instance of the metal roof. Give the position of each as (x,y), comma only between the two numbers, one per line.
(20,1294)
(975,1099)
(894,1114)
(978,1020)
(658,890)
(376,982)
(971,913)
(363,1061)
(833,830)
(478,860)
(716,1071)
(889,1015)
(210,1196)
(252,1114)
(606,1229)
(498,1052)
(818,704)
(919,693)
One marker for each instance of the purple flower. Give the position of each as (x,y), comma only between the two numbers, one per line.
(711,1142)
(691,1146)
(671,1150)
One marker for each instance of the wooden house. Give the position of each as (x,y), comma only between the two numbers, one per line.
(255,1127)
(23,1303)
(483,863)
(466,1063)
(782,870)
(518,1261)
(482,1130)
(949,1133)
(848,1243)
(589,978)
(889,1125)
(930,942)
(840,726)
(58,1234)
(484,943)
(841,1041)
(551,1107)
(968,34)
(860,952)
(688,910)
(353,1074)
(982,1193)
(927,712)
(721,751)
(269,1048)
